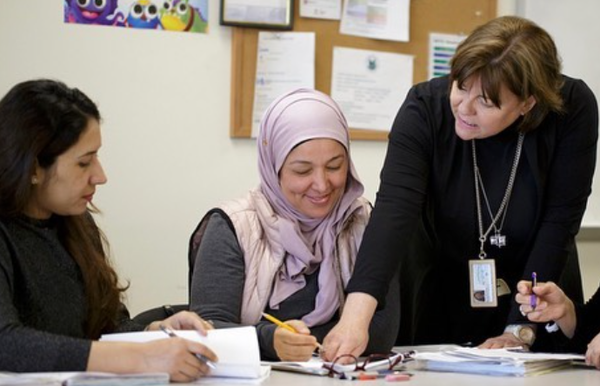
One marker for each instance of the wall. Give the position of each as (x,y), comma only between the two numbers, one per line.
(569,22)
(167,151)
(574,27)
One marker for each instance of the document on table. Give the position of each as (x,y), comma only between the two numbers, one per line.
(377,19)
(370,86)
(285,61)
(494,361)
(237,349)
(83,379)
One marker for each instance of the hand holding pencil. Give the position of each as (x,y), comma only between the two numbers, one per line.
(292,340)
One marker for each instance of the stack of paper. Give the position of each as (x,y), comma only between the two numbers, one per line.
(236,348)
(514,362)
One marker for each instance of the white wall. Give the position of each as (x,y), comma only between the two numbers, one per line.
(575,29)
(167,151)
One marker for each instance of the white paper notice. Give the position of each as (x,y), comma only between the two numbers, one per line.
(321,9)
(257,11)
(370,86)
(377,19)
(441,50)
(285,61)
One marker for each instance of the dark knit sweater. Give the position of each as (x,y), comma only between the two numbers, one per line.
(42,301)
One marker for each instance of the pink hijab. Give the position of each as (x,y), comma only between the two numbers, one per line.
(293,118)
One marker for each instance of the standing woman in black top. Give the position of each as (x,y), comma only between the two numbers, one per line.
(486,180)
(58,291)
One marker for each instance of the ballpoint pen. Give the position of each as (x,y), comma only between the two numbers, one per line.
(281,324)
(201,357)
(533,298)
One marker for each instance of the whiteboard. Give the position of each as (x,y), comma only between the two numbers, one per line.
(575,27)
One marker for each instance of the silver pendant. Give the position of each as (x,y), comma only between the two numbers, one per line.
(498,240)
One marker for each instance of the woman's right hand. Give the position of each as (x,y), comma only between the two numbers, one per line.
(175,356)
(351,334)
(294,346)
(552,305)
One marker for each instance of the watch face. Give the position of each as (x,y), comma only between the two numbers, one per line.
(526,335)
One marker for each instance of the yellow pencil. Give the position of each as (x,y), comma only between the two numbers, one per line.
(278,322)
(281,324)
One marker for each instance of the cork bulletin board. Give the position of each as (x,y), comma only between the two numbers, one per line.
(426,16)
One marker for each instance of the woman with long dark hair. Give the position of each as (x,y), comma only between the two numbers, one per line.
(58,290)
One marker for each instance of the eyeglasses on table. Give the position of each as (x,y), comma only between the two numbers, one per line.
(374,362)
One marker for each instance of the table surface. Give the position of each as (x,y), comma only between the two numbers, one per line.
(579,376)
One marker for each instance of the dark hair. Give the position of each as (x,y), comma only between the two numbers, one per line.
(40,120)
(517,53)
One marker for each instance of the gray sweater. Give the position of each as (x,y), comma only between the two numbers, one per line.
(42,301)
(217,290)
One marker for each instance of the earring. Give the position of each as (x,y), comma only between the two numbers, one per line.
(34,180)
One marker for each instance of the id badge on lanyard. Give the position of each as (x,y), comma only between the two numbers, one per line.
(482,277)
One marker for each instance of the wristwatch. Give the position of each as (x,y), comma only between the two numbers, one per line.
(524,332)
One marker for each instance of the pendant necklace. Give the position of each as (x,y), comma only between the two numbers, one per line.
(498,239)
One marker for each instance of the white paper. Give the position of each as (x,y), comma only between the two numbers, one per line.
(83,378)
(441,50)
(321,9)
(237,348)
(257,11)
(511,362)
(370,86)
(377,19)
(285,61)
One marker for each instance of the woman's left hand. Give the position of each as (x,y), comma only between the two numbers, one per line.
(505,340)
(592,355)
(183,320)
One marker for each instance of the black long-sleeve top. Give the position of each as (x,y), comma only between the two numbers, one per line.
(425,216)
(42,301)
(588,323)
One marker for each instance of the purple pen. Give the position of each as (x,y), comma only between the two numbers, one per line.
(533,298)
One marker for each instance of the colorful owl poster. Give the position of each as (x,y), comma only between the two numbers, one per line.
(167,15)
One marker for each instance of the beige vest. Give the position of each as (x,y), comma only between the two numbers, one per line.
(263,259)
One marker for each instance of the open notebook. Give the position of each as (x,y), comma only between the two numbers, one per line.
(237,349)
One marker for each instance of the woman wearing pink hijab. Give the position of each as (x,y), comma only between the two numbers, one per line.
(288,247)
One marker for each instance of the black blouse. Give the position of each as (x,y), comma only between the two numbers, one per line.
(425,217)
